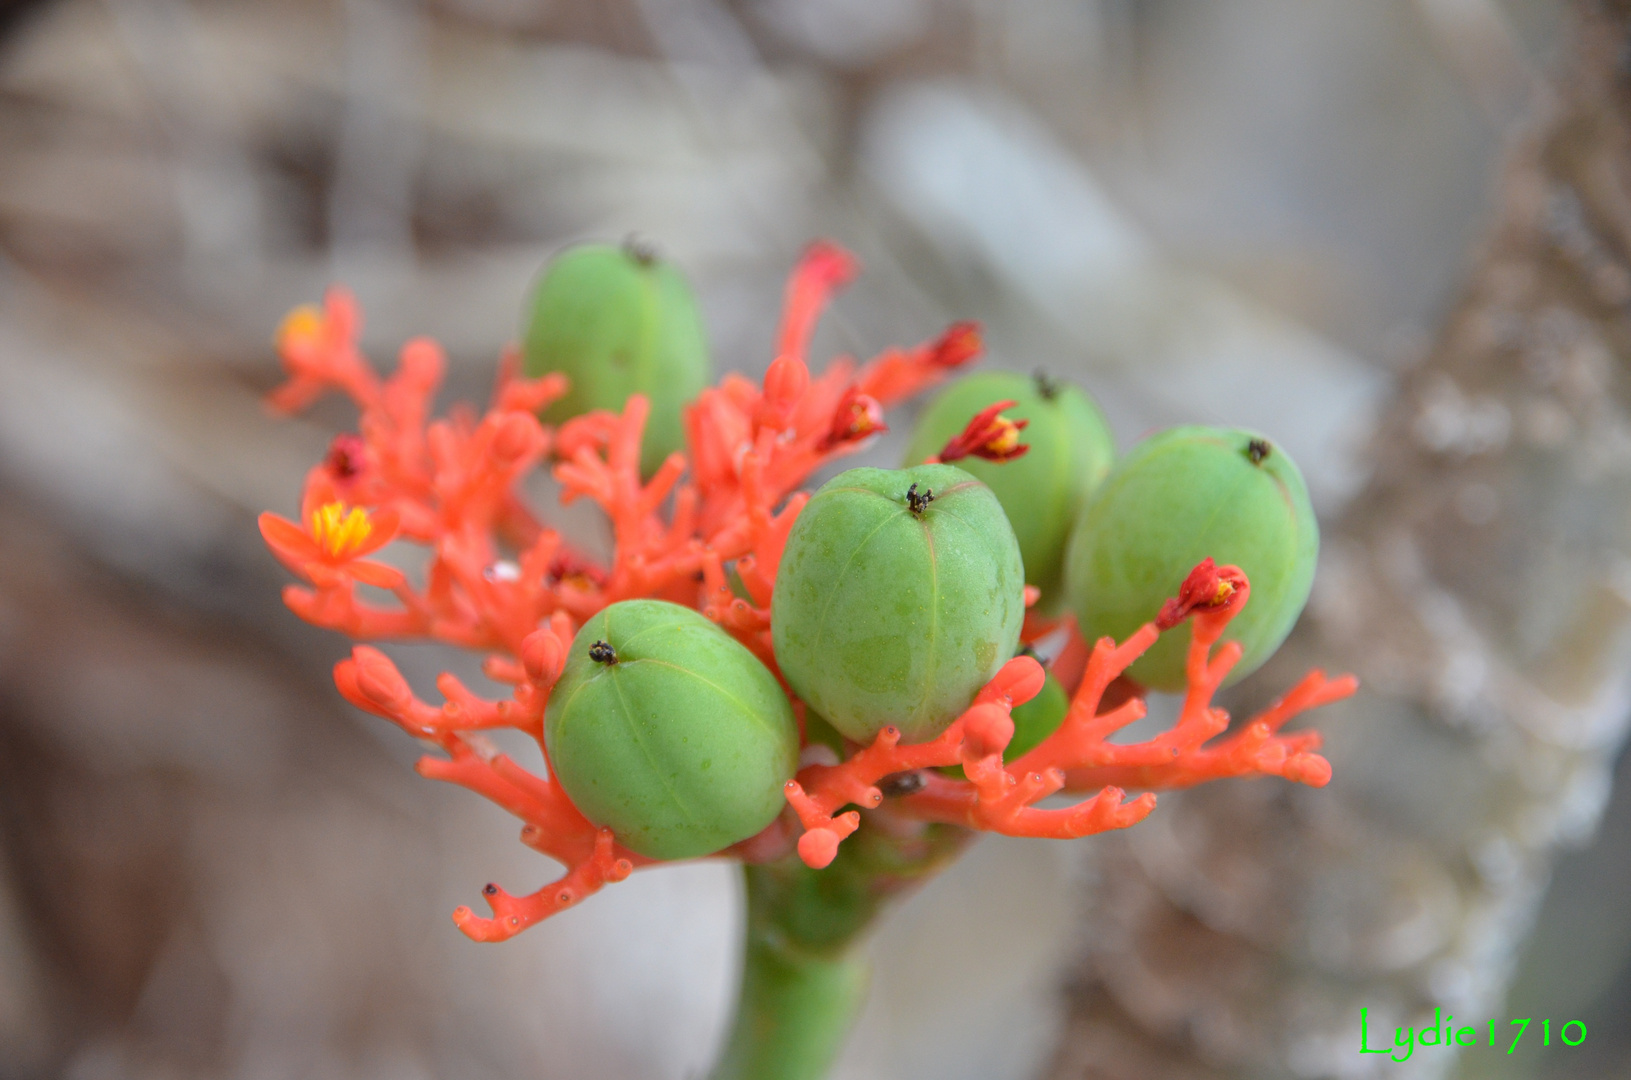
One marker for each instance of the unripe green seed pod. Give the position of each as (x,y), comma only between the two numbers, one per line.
(1037,719)
(1180,497)
(817,732)
(667,730)
(1042,492)
(1033,721)
(898,596)
(618,321)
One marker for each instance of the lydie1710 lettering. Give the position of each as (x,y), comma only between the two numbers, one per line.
(1492,1034)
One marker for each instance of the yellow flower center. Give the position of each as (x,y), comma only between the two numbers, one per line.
(304,323)
(860,419)
(1005,438)
(339,532)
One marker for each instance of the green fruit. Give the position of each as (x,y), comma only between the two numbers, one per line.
(1042,492)
(1180,497)
(668,731)
(895,608)
(1037,719)
(817,732)
(618,321)
(1033,721)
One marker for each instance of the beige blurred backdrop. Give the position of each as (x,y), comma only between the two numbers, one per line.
(1255,212)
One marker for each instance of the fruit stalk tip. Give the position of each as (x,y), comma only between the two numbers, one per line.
(640,250)
(916,502)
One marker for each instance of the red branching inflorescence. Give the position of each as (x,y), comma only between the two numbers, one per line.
(999,798)
(500,581)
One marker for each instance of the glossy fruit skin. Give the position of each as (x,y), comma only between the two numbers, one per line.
(1177,498)
(618,321)
(682,746)
(1042,492)
(1033,721)
(884,616)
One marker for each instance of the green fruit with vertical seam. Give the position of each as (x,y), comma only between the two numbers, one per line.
(893,606)
(668,731)
(1180,497)
(1042,492)
(618,321)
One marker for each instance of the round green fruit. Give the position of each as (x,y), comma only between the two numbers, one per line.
(899,595)
(669,732)
(1180,497)
(1042,492)
(618,321)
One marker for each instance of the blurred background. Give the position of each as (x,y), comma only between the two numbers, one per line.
(1389,233)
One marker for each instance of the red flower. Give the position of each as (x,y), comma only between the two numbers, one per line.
(958,345)
(989,435)
(1209,587)
(857,417)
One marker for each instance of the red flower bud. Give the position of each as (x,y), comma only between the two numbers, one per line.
(858,415)
(818,848)
(566,566)
(347,456)
(1020,679)
(379,680)
(826,265)
(786,381)
(958,345)
(420,364)
(543,655)
(1207,588)
(987,729)
(514,436)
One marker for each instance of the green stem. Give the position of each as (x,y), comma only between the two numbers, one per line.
(794,1010)
(804,974)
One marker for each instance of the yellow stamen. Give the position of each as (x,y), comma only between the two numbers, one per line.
(340,533)
(1225,590)
(1006,438)
(860,420)
(304,323)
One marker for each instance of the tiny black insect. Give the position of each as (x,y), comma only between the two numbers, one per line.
(902,783)
(602,653)
(1257,450)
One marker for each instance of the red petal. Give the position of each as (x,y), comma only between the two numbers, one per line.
(287,540)
(375,573)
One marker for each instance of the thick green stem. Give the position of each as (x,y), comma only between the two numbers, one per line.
(803,971)
(794,1011)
